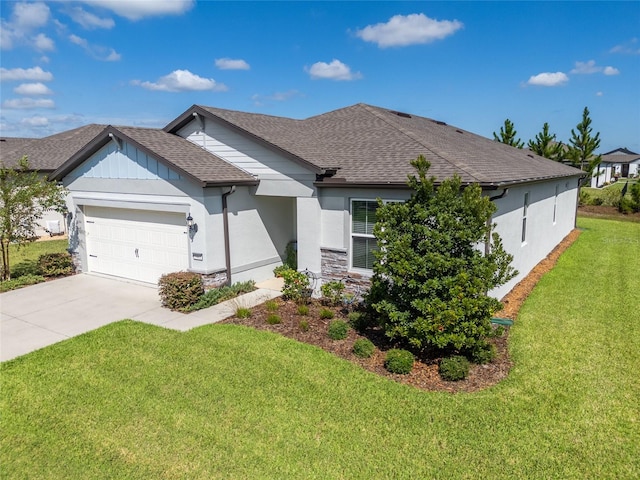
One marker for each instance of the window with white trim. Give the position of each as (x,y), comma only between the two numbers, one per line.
(363,243)
(525,207)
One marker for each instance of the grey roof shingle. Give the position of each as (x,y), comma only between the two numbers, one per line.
(177,152)
(48,153)
(372,145)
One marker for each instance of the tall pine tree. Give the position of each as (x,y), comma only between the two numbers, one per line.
(583,145)
(508,135)
(546,146)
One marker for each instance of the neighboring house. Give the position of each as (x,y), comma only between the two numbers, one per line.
(45,155)
(250,184)
(618,163)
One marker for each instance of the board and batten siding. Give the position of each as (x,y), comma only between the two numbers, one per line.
(279,176)
(126,163)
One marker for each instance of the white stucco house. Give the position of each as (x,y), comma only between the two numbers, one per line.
(618,163)
(223,192)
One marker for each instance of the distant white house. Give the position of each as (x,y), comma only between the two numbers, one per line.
(223,192)
(618,163)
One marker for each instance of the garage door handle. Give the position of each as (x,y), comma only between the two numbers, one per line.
(94,256)
(137,256)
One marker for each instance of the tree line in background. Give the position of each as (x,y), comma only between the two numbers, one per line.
(579,152)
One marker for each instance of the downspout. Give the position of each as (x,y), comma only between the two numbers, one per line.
(487,244)
(225,223)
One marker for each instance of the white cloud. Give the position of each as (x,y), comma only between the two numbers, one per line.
(89,21)
(586,68)
(96,51)
(28,16)
(260,100)
(135,10)
(231,64)
(181,81)
(548,79)
(630,48)
(336,70)
(35,73)
(43,43)
(610,71)
(32,89)
(35,121)
(599,94)
(25,18)
(412,29)
(27,103)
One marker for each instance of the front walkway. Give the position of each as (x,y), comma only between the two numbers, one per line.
(40,315)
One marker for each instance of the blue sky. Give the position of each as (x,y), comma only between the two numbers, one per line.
(470,64)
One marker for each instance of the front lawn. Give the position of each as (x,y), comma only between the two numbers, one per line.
(23,262)
(131,400)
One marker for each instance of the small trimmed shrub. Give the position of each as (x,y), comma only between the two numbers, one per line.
(216,295)
(279,269)
(332,292)
(180,290)
(304,325)
(363,348)
(296,285)
(274,319)
(454,368)
(55,264)
(483,354)
(243,312)
(303,310)
(399,361)
(271,305)
(326,314)
(338,330)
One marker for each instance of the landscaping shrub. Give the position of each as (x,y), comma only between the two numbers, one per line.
(296,285)
(274,319)
(454,368)
(243,312)
(19,282)
(399,361)
(271,305)
(180,290)
(332,292)
(216,295)
(483,353)
(304,325)
(303,310)
(326,314)
(363,348)
(55,264)
(279,269)
(338,330)
(26,267)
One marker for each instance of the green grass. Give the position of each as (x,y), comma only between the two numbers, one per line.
(33,250)
(131,400)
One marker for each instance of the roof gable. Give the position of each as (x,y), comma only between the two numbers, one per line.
(179,155)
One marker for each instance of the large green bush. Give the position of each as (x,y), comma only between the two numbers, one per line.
(55,264)
(180,290)
(431,280)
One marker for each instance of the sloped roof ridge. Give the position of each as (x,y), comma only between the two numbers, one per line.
(434,150)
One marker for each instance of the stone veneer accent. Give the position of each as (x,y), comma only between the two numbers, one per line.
(213,280)
(334,266)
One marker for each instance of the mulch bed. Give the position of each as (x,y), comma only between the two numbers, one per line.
(425,370)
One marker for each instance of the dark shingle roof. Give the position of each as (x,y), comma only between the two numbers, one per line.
(177,152)
(48,153)
(620,158)
(372,145)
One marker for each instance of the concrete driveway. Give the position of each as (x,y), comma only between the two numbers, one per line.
(40,315)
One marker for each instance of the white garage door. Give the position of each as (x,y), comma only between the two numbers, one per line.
(136,244)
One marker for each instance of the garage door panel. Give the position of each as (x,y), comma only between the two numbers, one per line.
(135,244)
